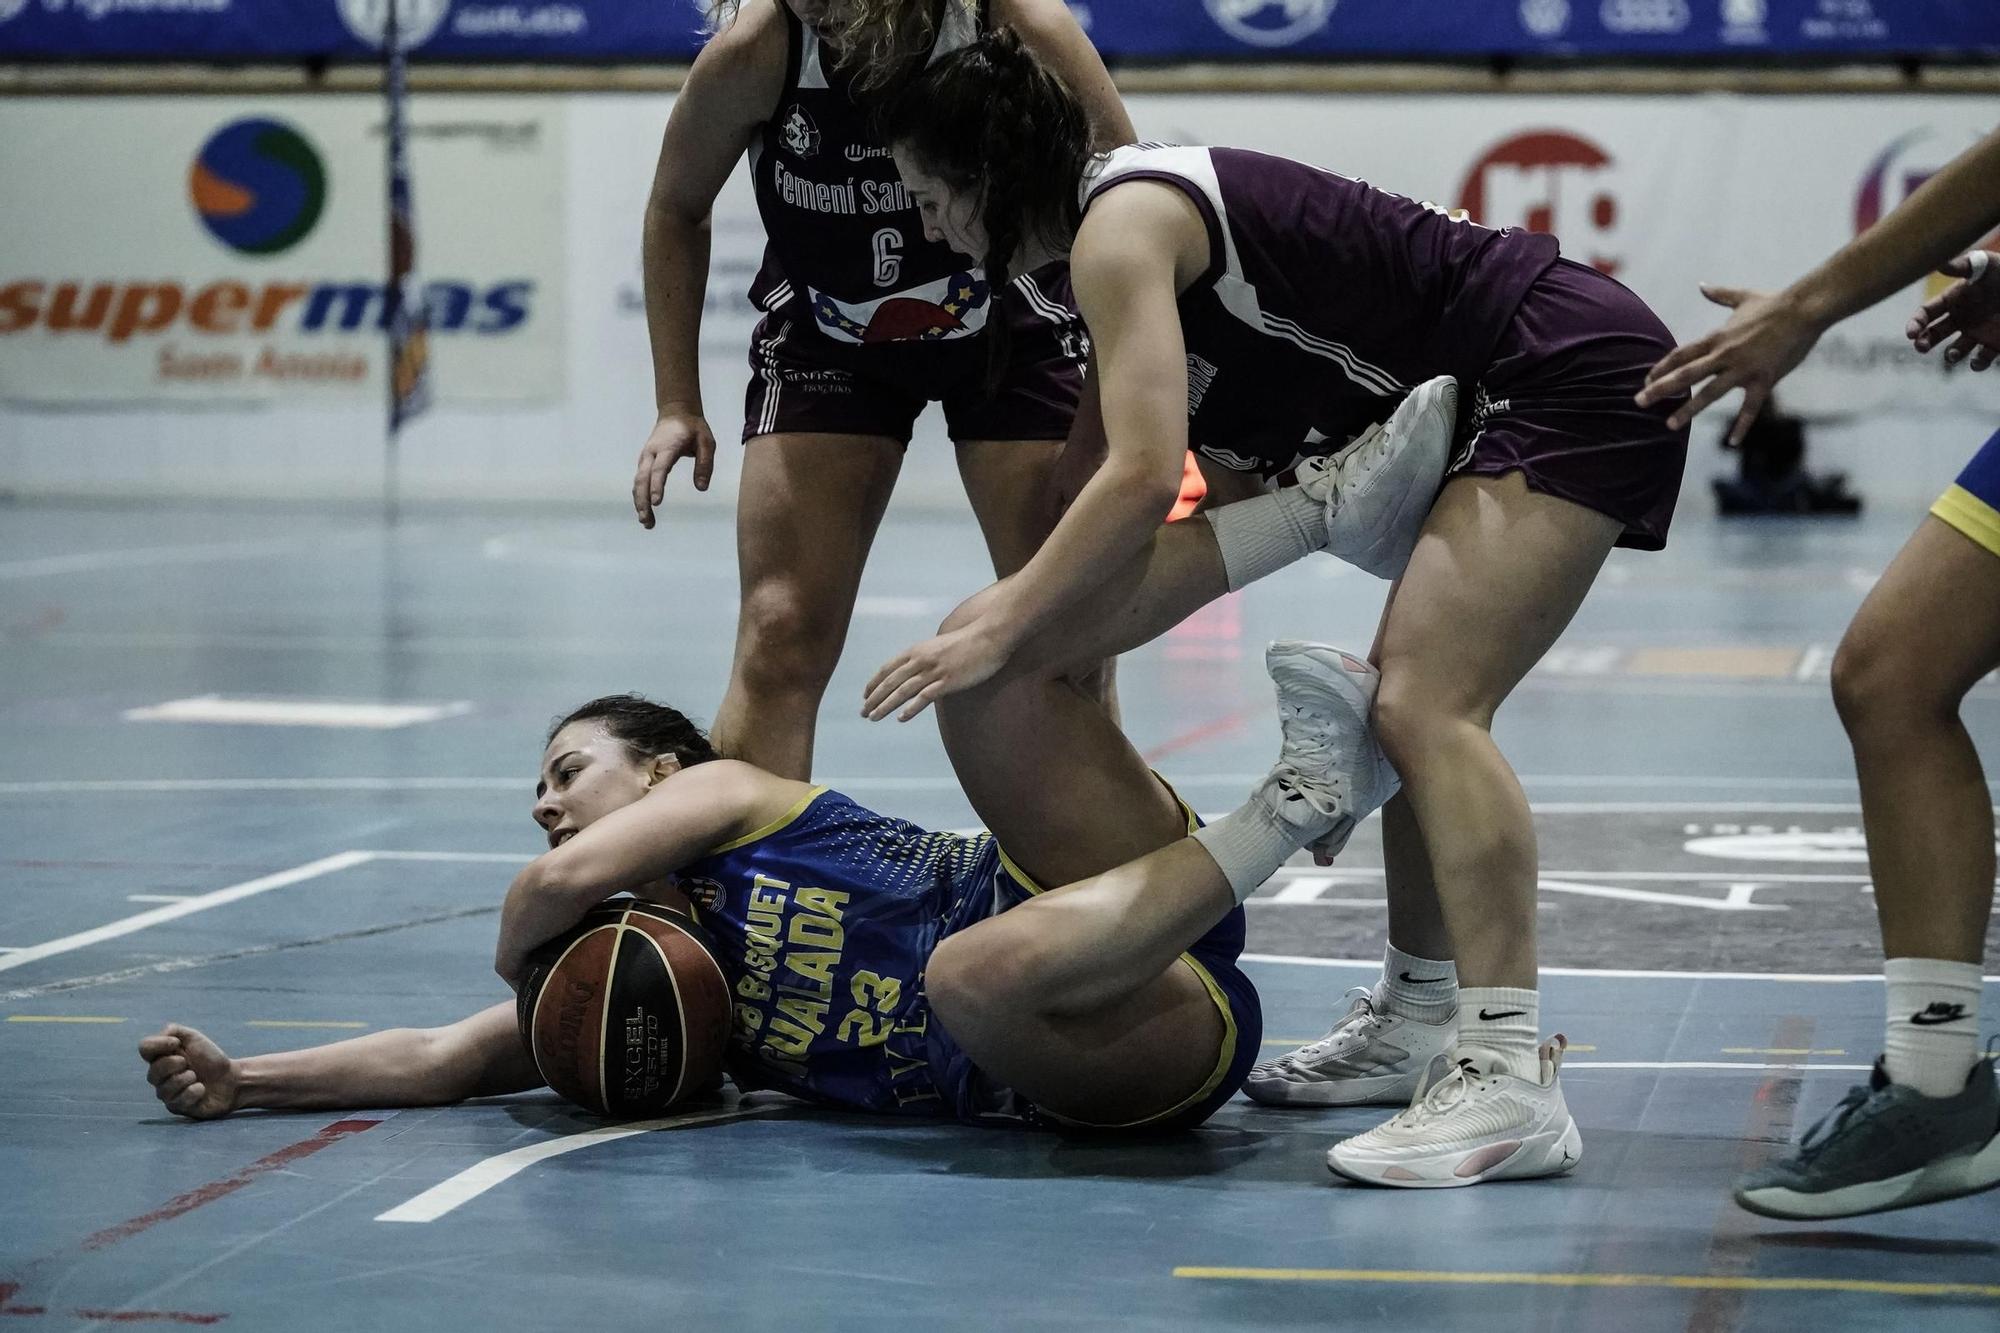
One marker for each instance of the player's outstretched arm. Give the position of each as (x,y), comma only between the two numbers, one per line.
(480,1056)
(1769,335)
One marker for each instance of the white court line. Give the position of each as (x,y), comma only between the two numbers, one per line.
(504,858)
(1704,1064)
(326,865)
(1375,965)
(157,897)
(154,556)
(480,1177)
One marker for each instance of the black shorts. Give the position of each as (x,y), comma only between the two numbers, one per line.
(802,382)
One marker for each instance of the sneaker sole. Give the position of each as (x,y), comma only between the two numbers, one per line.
(1376,1090)
(1934,1182)
(1553,1152)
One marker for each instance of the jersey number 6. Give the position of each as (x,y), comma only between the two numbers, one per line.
(888,256)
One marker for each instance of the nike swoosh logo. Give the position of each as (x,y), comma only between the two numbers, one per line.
(1931,1018)
(1419,981)
(1504,1013)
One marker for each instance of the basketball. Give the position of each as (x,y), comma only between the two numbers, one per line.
(628,1013)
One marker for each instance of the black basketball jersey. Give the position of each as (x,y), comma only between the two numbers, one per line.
(846,255)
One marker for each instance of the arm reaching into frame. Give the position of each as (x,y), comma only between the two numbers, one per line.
(1769,334)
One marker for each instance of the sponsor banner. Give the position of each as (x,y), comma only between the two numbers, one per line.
(233,249)
(1147,29)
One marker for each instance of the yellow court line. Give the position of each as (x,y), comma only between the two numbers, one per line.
(300,1023)
(1688,1281)
(59,1018)
(1779,1050)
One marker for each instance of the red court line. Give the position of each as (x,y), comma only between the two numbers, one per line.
(1228,722)
(218,1189)
(7,1290)
(151,1316)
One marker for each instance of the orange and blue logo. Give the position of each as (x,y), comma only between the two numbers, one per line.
(258,186)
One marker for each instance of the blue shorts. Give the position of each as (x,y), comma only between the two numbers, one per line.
(1972,503)
(970,1094)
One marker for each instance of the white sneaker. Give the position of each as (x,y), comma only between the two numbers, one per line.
(1379,489)
(1467,1126)
(1369,1059)
(1324,698)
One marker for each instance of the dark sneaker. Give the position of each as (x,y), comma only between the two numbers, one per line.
(1886,1146)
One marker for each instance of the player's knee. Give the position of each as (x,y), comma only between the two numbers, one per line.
(786,639)
(979,977)
(1413,719)
(1878,682)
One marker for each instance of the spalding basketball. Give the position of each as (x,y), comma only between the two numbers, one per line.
(629,1012)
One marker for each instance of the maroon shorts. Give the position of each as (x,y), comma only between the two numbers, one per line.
(1555,404)
(804,382)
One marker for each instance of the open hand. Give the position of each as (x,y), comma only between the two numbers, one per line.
(954,660)
(1763,342)
(1968,311)
(189,1073)
(676,435)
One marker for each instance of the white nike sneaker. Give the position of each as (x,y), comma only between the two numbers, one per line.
(1324,698)
(1371,1058)
(1379,489)
(1467,1126)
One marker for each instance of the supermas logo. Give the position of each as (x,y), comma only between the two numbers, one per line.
(416,20)
(258,186)
(1551,181)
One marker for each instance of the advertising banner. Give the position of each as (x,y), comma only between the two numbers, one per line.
(233,250)
(650,30)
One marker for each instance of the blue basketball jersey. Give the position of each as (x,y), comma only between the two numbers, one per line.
(824,922)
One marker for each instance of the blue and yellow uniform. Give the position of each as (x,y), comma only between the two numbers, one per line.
(824,921)
(1972,503)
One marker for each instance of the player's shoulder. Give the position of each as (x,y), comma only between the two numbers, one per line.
(753,42)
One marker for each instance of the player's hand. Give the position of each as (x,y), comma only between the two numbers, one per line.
(955,660)
(676,435)
(1968,311)
(1763,342)
(189,1073)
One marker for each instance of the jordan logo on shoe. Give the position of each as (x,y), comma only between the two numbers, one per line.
(1504,1013)
(1419,981)
(1938,1013)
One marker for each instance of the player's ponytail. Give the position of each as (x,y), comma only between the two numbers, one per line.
(992,122)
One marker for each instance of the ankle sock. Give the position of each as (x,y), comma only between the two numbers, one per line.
(1932,1040)
(1263,534)
(1424,989)
(1502,1024)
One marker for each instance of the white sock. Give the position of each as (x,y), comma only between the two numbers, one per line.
(1263,534)
(1249,843)
(1425,989)
(1505,1025)
(1933,1037)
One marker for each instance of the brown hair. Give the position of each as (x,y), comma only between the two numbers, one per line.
(643,727)
(991,121)
(877,38)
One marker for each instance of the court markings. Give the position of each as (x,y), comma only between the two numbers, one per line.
(1623,973)
(333,713)
(1681,1281)
(482,1176)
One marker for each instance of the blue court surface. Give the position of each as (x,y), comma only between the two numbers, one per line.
(267,772)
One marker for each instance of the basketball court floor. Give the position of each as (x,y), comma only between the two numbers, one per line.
(267,772)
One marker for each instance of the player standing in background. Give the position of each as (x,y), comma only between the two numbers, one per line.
(865,320)
(1927,1124)
(1265,309)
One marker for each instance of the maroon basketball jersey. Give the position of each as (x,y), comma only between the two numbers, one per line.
(846,255)
(1325,299)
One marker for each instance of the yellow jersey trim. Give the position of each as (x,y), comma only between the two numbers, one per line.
(1971,516)
(780,822)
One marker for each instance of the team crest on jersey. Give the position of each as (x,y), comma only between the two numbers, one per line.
(953,307)
(703,893)
(800,135)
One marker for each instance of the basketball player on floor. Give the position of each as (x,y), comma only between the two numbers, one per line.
(1263,310)
(1926,1126)
(865,320)
(1114,1002)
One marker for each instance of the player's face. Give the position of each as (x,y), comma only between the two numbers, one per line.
(586,774)
(949,215)
(819,14)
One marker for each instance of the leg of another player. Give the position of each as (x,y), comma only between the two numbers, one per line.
(1495,578)
(1078,998)
(806,514)
(1924,637)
